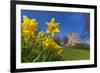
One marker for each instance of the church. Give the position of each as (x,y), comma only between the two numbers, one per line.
(72,39)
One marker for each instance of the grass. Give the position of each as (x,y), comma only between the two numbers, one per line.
(75,54)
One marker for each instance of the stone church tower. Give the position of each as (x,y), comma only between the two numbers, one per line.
(72,39)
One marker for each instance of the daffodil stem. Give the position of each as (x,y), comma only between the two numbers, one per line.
(37,58)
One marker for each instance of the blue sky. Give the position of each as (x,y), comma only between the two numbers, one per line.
(69,21)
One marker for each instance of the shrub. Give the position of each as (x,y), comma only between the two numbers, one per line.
(82,46)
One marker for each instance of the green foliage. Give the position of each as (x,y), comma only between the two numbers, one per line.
(82,46)
(34,52)
(31,53)
(65,39)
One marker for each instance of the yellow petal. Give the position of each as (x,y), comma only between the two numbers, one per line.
(53,20)
(47,31)
(26,19)
(57,30)
(47,23)
(33,21)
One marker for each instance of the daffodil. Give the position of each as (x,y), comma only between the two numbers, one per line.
(29,27)
(41,35)
(57,46)
(26,33)
(48,43)
(52,27)
(29,24)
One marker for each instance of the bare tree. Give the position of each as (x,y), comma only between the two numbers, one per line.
(86,28)
(65,39)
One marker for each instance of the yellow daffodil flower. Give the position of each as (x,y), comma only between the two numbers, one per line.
(52,27)
(48,43)
(29,26)
(41,35)
(26,34)
(57,46)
